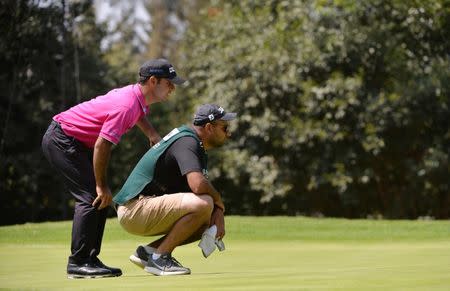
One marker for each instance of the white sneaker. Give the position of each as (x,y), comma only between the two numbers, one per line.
(141,255)
(166,265)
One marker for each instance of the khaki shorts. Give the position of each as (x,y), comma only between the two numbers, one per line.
(151,215)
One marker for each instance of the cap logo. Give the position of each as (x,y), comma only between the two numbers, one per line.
(211,117)
(221,110)
(171,70)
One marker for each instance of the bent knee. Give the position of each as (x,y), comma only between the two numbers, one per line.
(203,204)
(198,203)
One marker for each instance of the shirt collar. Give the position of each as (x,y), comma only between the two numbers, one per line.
(137,92)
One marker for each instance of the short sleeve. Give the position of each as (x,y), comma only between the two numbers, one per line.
(188,154)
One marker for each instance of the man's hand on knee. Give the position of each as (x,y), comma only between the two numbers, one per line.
(103,199)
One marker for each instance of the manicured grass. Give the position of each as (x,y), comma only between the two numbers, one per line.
(263,253)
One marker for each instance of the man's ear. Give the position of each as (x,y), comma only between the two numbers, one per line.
(209,127)
(151,81)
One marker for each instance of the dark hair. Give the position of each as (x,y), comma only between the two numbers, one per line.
(143,79)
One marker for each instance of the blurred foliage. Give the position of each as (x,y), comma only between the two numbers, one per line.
(343,105)
(40,48)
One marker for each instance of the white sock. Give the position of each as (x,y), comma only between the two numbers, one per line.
(156,256)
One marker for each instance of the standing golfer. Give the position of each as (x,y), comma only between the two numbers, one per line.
(168,192)
(78,144)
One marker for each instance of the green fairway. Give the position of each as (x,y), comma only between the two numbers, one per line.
(263,253)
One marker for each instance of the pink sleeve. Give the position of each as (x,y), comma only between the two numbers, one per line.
(116,124)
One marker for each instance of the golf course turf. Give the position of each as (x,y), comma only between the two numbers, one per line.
(262,253)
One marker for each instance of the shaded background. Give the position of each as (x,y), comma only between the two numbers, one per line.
(343,105)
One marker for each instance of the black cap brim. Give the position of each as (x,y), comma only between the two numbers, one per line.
(177,80)
(228,116)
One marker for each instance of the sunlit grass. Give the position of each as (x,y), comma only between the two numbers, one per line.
(263,253)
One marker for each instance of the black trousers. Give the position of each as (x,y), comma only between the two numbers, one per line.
(73,161)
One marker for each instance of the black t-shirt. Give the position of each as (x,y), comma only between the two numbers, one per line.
(183,156)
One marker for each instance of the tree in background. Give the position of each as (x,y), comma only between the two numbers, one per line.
(49,62)
(126,51)
(343,105)
(170,20)
(56,54)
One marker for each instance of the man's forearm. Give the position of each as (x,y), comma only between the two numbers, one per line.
(201,186)
(147,128)
(209,188)
(102,153)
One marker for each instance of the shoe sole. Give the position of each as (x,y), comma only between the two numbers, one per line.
(75,276)
(158,272)
(138,262)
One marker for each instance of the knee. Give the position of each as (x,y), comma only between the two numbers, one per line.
(204,204)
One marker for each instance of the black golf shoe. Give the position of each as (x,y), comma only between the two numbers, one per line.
(87,270)
(116,272)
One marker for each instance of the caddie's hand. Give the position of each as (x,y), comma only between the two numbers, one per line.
(154,139)
(103,199)
(218,219)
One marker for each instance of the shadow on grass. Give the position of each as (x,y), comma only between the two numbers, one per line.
(192,274)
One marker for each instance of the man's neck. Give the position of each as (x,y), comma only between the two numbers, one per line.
(201,135)
(147,94)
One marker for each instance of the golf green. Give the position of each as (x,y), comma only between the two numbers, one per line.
(262,253)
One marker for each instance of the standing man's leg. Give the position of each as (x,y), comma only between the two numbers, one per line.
(74,162)
(102,215)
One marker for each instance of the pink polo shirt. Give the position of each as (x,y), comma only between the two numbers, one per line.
(109,116)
